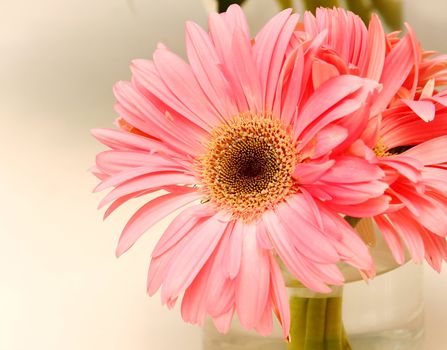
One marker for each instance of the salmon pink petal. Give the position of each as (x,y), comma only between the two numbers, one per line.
(120,140)
(435,178)
(398,65)
(223,322)
(410,234)
(265,324)
(206,66)
(126,175)
(142,112)
(430,152)
(279,296)
(262,236)
(391,237)
(124,199)
(193,308)
(292,81)
(435,248)
(368,208)
(409,167)
(322,72)
(424,109)
(308,173)
(149,214)
(147,182)
(254,271)
(307,238)
(291,258)
(189,261)
(178,75)
(115,161)
(233,251)
(409,129)
(179,227)
(329,94)
(235,51)
(328,139)
(269,50)
(372,62)
(348,169)
(345,240)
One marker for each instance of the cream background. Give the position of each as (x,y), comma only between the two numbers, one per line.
(60,285)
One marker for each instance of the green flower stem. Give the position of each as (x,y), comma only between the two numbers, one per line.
(345,341)
(352,220)
(361,8)
(222,5)
(313,4)
(298,310)
(391,11)
(334,327)
(316,322)
(285,4)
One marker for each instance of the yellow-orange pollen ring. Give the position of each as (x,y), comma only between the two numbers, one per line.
(248,166)
(381,150)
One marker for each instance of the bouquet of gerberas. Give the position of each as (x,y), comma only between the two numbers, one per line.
(273,147)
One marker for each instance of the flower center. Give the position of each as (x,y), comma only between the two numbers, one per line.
(248,165)
(382,151)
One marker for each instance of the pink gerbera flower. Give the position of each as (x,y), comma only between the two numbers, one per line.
(403,136)
(253,153)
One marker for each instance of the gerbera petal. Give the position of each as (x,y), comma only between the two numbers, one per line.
(322,72)
(308,173)
(233,251)
(291,80)
(223,322)
(193,308)
(145,112)
(189,261)
(398,65)
(328,95)
(367,208)
(147,182)
(291,258)
(348,169)
(328,139)
(179,227)
(409,232)
(149,214)
(373,61)
(433,151)
(265,324)
(120,140)
(307,238)
(126,175)
(254,271)
(345,240)
(177,74)
(269,51)
(424,109)
(391,237)
(146,75)
(279,296)
(206,67)
(234,48)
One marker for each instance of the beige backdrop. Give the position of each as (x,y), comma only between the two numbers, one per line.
(60,285)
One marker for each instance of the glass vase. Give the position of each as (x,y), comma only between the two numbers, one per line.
(383,314)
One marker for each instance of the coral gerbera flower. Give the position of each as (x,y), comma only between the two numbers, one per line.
(253,156)
(405,135)
(412,152)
